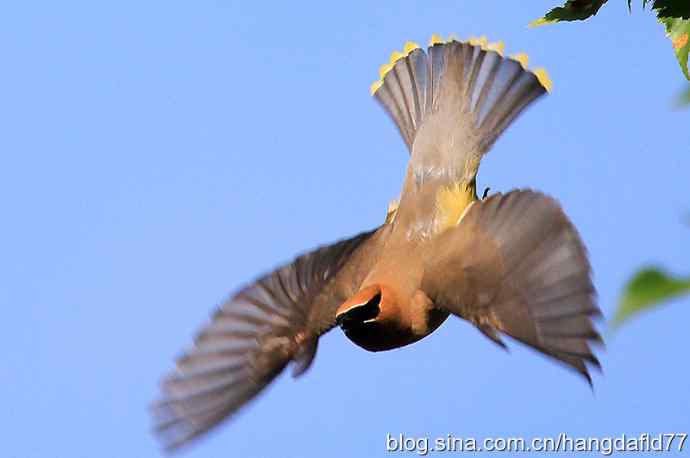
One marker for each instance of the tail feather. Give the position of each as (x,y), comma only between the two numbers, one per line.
(402,90)
(472,82)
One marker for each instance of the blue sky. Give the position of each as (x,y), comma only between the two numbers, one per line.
(157,155)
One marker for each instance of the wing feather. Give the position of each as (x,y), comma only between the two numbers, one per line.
(516,265)
(253,336)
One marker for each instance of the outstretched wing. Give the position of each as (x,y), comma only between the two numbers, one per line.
(254,335)
(516,265)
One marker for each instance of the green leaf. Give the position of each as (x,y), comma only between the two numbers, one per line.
(678,31)
(648,288)
(672,8)
(573,10)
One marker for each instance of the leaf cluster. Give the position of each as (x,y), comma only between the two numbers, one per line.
(673,14)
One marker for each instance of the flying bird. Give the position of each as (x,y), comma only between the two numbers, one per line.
(511,264)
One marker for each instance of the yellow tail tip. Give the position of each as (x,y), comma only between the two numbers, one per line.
(522,58)
(375,86)
(499,47)
(410,46)
(436,40)
(396,56)
(543,78)
(482,42)
(385,68)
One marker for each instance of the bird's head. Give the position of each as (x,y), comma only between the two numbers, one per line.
(363,307)
(372,319)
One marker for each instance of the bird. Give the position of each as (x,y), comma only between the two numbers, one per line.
(511,264)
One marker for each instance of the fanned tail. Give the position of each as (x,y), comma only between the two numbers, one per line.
(469,84)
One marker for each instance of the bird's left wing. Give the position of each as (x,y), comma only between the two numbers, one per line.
(254,335)
(515,265)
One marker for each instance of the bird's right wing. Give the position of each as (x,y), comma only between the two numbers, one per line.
(254,335)
(515,264)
